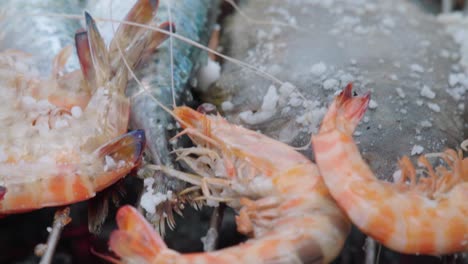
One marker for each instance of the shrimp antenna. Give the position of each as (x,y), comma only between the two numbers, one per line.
(171,53)
(179,37)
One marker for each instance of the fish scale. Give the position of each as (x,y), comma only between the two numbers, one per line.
(193,20)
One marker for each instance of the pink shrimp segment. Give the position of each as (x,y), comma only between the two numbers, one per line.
(281,199)
(428,216)
(52,155)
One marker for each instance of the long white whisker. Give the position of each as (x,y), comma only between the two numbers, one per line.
(142,87)
(176,36)
(171,53)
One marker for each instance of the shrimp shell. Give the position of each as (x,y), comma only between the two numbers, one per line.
(282,201)
(427,216)
(52,152)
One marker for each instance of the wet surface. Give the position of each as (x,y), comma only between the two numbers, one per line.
(392,49)
(398,51)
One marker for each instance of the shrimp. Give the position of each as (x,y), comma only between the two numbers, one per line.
(51,151)
(281,200)
(417,216)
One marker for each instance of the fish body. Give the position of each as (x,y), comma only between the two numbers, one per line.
(26,27)
(193,19)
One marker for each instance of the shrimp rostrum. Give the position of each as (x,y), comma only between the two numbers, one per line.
(62,138)
(281,200)
(418,214)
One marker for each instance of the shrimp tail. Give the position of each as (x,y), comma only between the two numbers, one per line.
(346,111)
(127,148)
(142,13)
(135,239)
(154,40)
(98,50)
(135,42)
(84,56)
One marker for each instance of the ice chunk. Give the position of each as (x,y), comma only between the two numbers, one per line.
(208,74)
(330,84)
(76,111)
(318,69)
(417,68)
(427,92)
(416,150)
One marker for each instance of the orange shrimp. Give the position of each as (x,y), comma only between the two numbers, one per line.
(282,201)
(52,152)
(418,216)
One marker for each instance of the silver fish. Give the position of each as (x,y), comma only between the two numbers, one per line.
(26,28)
(193,19)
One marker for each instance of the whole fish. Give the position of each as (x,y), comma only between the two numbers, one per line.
(25,27)
(193,19)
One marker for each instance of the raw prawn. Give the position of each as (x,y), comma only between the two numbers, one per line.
(282,201)
(62,138)
(419,216)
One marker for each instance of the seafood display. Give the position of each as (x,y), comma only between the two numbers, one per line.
(279,194)
(296,173)
(63,138)
(416,214)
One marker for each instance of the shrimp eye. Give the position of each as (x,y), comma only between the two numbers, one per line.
(207,109)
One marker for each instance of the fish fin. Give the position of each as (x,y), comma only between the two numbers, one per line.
(135,237)
(98,50)
(126,35)
(346,111)
(84,56)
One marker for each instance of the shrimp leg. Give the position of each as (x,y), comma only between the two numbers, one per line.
(281,200)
